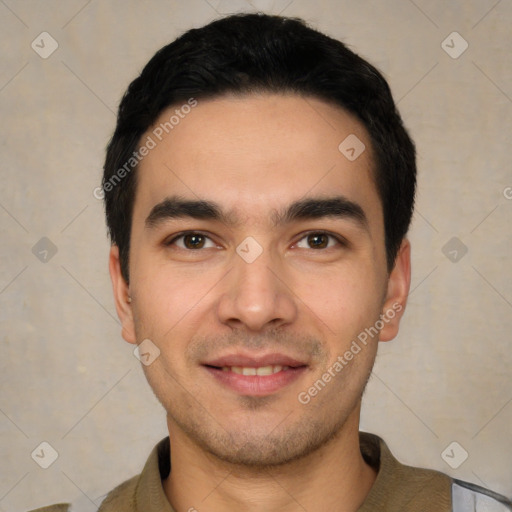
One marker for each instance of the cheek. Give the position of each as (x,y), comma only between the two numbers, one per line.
(346,299)
(169,301)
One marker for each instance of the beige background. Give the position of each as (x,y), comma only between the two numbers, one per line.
(69,379)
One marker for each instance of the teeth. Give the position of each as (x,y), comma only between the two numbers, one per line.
(262,370)
(266,370)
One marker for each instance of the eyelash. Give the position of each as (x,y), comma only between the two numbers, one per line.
(341,241)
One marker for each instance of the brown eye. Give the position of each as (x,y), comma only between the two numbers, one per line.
(318,240)
(194,241)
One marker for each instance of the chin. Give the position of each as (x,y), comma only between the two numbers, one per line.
(260,449)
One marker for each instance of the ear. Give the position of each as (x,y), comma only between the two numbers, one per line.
(399,282)
(121,296)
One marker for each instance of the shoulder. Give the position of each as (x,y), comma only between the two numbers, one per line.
(59,507)
(402,487)
(120,499)
(138,489)
(467,497)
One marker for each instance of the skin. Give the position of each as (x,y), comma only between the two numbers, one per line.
(254,156)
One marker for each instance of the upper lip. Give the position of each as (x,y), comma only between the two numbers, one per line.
(255,361)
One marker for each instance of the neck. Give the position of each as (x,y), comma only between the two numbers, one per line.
(335,477)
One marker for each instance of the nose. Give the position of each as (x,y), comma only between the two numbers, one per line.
(256,295)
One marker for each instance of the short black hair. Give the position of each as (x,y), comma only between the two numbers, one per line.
(248,53)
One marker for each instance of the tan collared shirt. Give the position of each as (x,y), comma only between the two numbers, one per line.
(397,488)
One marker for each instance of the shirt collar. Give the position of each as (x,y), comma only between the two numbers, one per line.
(391,476)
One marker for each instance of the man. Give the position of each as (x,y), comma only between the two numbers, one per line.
(259,188)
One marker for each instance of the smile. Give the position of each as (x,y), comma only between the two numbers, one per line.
(261,370)
(254,381)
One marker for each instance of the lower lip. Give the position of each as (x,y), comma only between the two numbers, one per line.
(256,385)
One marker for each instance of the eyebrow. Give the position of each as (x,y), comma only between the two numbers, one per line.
(338,207)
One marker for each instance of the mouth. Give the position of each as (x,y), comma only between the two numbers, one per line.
(250,370)
(255,376)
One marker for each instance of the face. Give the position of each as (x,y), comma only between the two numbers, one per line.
(257,259)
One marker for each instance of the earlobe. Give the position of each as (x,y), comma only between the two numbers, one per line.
(122,297)
(398,289)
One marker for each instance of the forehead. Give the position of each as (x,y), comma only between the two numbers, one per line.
(256,153)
